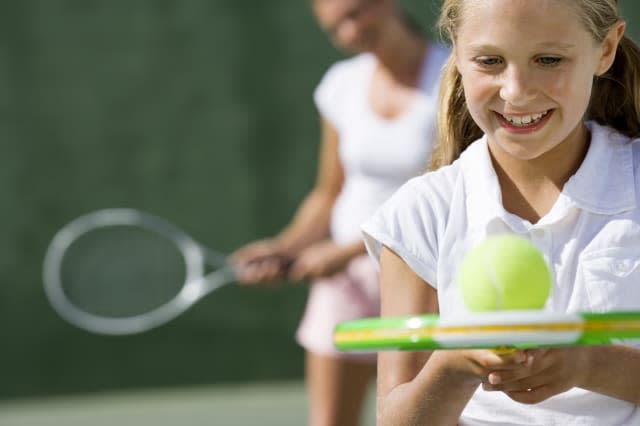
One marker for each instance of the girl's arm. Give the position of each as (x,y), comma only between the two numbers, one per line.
(416,388)
(614,371)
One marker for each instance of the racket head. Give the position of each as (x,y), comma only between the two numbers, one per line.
(506,329)
(122,271)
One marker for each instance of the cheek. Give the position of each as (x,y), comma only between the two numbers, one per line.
(558,85)
(574,91)
(478,92)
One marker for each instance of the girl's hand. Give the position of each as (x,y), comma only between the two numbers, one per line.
(319,260)
(545,373)
(475,365)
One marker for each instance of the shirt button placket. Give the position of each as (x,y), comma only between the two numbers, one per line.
(541,238)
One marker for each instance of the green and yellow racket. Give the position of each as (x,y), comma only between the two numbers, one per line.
(506,329)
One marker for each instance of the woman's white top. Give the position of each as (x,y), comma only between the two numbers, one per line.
(377,154)
(590,238)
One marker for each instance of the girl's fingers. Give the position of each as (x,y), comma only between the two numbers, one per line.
(504,359)
(531,363)
(519,380)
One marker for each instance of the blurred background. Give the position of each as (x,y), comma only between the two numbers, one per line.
(198,111)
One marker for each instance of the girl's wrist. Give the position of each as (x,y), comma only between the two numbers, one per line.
(448,363)
(590,359)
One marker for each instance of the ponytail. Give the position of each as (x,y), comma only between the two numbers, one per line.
(456,128)
(615,100)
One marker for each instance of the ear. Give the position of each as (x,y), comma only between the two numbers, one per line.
(610,47)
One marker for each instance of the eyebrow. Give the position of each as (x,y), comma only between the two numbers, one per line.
(558,45)
(544,45)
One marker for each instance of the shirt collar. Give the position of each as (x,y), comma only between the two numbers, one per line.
(604,183)
(482,191)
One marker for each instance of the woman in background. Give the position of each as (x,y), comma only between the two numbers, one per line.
(377,113)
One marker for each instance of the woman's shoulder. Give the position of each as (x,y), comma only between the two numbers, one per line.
(348,70)
(342,81)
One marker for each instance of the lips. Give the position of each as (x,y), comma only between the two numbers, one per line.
(524,122)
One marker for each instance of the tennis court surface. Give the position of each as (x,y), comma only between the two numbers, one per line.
(281,404)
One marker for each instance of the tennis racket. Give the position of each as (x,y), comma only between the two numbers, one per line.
(122,271)
(506,329)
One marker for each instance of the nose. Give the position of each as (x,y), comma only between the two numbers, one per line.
(518,86)
(348,32)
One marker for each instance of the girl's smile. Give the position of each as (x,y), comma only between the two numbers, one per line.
(523,123)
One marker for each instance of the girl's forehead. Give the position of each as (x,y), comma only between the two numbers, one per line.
(518,19)
(516,8)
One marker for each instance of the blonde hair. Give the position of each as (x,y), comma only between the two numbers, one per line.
(615,99)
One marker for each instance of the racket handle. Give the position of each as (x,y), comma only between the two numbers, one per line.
(504,350)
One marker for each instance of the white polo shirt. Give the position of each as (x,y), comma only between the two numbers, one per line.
(590,239)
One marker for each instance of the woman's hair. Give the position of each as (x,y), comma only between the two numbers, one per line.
(615,99)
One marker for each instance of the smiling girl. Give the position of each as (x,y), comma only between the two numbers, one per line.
(538,119)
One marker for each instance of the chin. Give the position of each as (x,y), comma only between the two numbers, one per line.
(518,150)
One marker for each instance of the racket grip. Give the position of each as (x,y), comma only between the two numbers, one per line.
(286,262)
(504,350)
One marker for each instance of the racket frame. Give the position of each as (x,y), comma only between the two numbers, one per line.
(515,329)
(195,257)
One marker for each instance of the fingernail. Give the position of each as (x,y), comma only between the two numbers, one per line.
(494,379)
(529,359)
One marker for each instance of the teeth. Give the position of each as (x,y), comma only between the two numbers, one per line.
(525,120)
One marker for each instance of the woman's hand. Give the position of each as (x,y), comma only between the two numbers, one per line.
(261,262)
(545,373)
(321,259)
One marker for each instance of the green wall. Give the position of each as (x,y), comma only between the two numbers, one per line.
(198,111)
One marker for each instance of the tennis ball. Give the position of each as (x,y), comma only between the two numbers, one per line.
(504,272)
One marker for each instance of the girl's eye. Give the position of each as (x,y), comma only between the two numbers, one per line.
(488,61)
(549,61)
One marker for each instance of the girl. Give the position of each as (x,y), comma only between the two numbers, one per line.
(378,122)
(550,90)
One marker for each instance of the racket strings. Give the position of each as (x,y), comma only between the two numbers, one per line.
(121,271)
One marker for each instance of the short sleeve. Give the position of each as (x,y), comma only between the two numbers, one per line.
(408,225)
(327,95)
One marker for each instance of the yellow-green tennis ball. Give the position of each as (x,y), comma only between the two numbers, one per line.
(504,272)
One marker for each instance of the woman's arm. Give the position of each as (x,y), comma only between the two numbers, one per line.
(312,218)
(264,260)
(324,259)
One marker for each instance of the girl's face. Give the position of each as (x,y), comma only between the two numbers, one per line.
(354,25)
(527,70)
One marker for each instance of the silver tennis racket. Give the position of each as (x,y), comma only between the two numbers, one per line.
(122,271)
